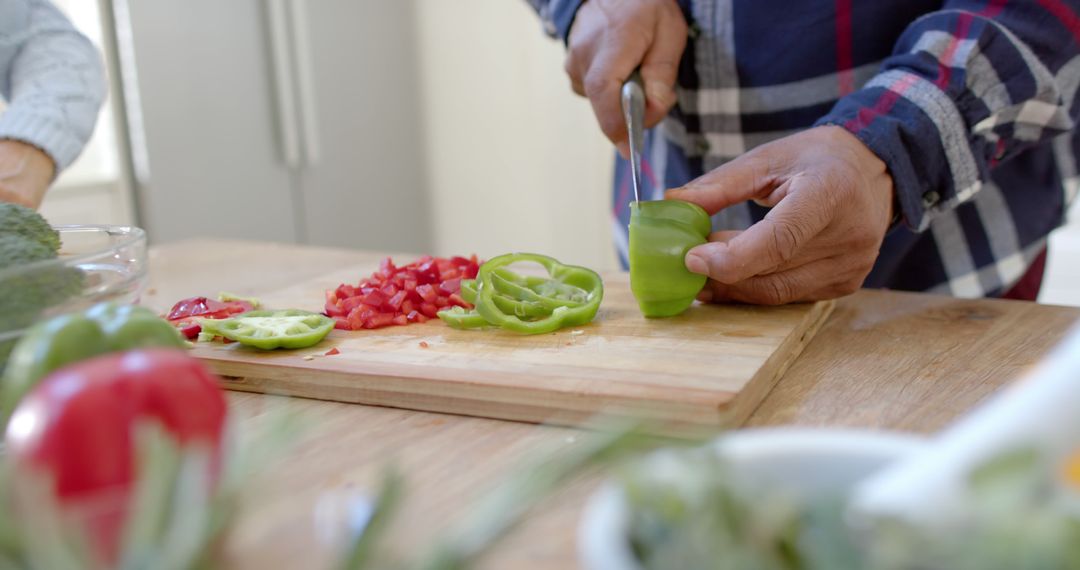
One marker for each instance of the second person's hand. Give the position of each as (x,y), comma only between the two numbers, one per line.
(25,173)
(611,38)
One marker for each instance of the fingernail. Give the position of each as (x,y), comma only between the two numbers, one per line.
(660,93)
(624,150)
(696,264)
(705,296)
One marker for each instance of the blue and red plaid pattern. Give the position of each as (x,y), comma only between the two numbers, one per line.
(971,104)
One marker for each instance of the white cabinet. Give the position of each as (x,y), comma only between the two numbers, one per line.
(284,120)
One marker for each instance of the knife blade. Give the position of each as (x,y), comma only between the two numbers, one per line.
(633,105)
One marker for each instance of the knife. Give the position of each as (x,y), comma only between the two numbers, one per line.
(633,105)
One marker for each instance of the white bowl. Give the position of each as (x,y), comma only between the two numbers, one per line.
(799,462)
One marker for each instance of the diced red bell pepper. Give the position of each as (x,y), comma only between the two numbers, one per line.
(395,295)
(427,293)
(397,300)
(378,320)
(429,310)
(450,286)
(191,330)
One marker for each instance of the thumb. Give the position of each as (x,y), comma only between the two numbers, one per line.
(745,178)
(660,66)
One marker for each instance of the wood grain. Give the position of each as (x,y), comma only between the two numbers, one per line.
(883,360)
(706,368)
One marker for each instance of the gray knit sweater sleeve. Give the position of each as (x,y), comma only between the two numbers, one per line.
(52,78)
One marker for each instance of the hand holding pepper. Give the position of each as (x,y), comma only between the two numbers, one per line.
(831,200)
(25,173)
(612,38)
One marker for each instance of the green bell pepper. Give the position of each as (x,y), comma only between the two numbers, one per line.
(571,294)
(267,330)
(66,339)
(661,232)
(506,303)
(468,290)
(460,318)
(527,304)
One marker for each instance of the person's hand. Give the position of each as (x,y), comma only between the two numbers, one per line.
(831,200)
(25,173)
(611,38)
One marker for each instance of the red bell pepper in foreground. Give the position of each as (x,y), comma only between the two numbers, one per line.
(77,429)
(396,295)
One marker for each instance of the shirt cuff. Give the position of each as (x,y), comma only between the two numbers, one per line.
(889,116)
(44,132)
(558,16)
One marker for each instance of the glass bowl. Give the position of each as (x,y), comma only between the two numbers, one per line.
(112,261)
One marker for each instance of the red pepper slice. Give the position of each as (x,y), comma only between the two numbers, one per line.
(191,330)
(206,308)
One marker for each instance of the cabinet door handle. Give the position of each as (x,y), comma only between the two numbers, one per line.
(305,86)
(284,80)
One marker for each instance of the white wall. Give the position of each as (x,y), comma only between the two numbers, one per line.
(515,160)
(1061,285)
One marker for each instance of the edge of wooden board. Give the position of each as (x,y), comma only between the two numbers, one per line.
(695,417)
(515,403)
(770,373)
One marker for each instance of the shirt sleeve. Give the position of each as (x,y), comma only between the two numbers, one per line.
(53,80)
(557,16)
(966,88)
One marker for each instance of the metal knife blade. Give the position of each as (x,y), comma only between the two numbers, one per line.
(633,105)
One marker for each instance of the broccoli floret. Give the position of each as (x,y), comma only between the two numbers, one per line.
(25,238)
(18,250)
(25,297)
(26,222)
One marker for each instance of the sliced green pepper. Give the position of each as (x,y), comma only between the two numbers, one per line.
(661,232)
(63,340)
(267,330)
(573,294)
(468,291)
(548,293)
(459,318)
(506,303)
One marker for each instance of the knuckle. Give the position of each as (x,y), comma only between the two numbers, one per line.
(595,84)
(776,290)
(786,237)
(570,66)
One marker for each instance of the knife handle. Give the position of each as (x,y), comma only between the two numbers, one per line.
(633,104)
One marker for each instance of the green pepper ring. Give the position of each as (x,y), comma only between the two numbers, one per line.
(562,315)
(302,333)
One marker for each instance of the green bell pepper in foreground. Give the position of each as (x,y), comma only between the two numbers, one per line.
(569,296)
(661,232)
(66,339)
(267,330)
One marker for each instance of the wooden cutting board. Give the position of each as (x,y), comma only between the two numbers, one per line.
(705,369)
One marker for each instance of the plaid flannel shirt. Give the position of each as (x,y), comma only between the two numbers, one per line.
(970,103)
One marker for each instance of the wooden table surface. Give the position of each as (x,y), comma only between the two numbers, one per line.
(883,360)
